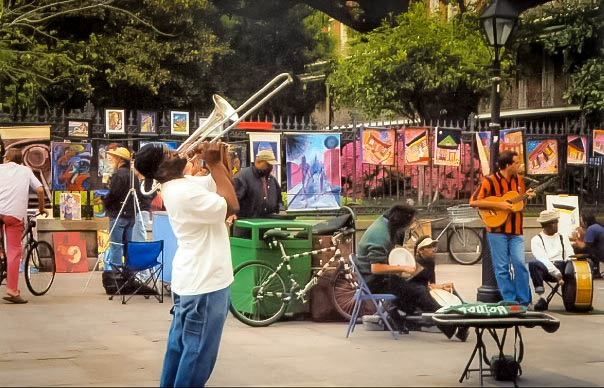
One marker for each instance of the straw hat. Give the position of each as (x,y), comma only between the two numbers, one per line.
(266,155)
(120,152)
(548,216)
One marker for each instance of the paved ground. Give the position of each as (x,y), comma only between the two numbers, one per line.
(70,338)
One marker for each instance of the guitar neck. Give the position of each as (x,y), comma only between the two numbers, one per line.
(536,189)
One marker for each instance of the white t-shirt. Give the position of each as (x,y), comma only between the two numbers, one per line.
(15,182)
(550,250)
(202,262)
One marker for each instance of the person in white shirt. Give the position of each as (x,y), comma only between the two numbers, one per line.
(551,250)
(202,272)
(16,181)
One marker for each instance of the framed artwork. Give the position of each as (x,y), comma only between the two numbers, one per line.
(417,152)
(313,171)
(70,206)
(598,142)
(173,145)
(513,140)
(104,171)
(378,146)
(576,149)
(78,128)
(542,156)
(98,206)
(70,252)
(179,123)
(71,166)
(447,150)
(271,141)
(207,133)
(147,122)
(483,143)
(115,121)
(567,207)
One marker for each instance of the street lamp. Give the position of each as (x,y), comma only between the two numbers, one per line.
(498,20)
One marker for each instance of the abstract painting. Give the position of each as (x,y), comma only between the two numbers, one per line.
(483,143)
(513,140)
(417,151)
(147,122)
(70,252)
(313,171)
(114,121)
(179,123)
(542,156)
(576,149)
(447,150)
(71,166)
(598,141)
(267,141)
(70,206)
(378,146)
(77,128)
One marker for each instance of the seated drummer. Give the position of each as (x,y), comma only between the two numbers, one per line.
(550,250)
(589,239)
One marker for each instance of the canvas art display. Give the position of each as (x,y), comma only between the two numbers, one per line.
(238,156)
(483,143)
(267,141)
(173,145)
(378,146)
(179,123)
(98,206)
(104,171)
(70,206)
(576,149)
(70,252)
(568,209)
(115,121)
(102,243)
(447,150)
(77,128)
(71,166)
(313,171)
(598,142)
(147,122)
(542,156)
(513,140)
(417,151)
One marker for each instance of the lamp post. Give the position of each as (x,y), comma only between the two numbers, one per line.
(498,20)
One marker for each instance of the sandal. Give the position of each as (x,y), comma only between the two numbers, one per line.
(17,299)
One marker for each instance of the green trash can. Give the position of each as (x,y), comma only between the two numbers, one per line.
(249,246)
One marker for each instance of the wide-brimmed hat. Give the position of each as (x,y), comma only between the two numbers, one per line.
(120,152)
(548,216)
(266,155)
(427,242)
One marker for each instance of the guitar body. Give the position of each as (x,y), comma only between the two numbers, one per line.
(495,217)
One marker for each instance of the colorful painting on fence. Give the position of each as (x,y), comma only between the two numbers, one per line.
(483,144)
(598,142)
(576,149)
(447,151)
(70,252)
(267,141)
(98,206)
(114,121)
(104,170)
(147,122)
(313,171)
(378,146)
(513,140)
(179,123)
(71,166)
(542,156)
(70,206)
(77,128)
(238,156)
(417,152)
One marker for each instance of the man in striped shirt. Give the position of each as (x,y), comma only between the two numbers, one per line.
(506,241)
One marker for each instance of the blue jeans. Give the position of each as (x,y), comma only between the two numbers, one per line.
(117,240)
(508,249)
(194,338)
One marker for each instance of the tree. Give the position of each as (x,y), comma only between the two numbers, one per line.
(422,67)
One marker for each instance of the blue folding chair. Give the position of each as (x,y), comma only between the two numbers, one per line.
(142,256)
(362,294)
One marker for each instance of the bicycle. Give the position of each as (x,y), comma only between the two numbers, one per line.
(268,297)
(463,243)
(40,267)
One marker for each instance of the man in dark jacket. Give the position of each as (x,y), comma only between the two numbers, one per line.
(258,192)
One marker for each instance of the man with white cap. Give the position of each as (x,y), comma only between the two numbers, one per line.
(550,249)
(258,192)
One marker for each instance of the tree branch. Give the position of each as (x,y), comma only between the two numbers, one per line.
(133,16)
(41,8)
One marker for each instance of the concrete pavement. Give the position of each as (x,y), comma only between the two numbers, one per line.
(70,338)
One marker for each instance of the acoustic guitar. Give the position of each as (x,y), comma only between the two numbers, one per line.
(497,217)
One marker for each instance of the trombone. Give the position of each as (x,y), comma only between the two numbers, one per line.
(223,112)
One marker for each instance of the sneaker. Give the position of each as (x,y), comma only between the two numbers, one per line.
(539,290)
(463,333)
(541,305)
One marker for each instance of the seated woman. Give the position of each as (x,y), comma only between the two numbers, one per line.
(589,239)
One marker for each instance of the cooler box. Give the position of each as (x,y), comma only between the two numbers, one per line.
(249,246)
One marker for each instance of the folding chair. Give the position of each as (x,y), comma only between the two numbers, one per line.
(362,294)
(142,256)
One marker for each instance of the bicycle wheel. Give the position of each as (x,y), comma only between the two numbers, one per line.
(250,304)
(343,289)
(465,245)
(40,268)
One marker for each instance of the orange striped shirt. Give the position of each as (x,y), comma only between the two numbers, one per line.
(496,185)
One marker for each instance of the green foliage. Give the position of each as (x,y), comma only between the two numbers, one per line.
(421,67)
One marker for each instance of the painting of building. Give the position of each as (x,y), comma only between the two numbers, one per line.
(447,150)
(542,156)
(576,151)
(417,152)
(378,146)
(513,140)
(598,140)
